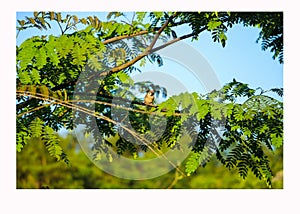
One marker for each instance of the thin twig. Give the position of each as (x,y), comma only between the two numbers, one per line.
(162,112)
(34,109)
(160,31)
(97,115)
(62,31)
(176,40)
(114,39)
(175,180)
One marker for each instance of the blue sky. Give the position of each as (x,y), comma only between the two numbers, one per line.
(242,58)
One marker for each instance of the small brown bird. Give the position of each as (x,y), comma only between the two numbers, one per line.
(149,97)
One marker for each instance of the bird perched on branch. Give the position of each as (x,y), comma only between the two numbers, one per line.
(149,97)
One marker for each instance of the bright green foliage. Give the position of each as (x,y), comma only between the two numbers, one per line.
(22,138)
(195,160)
(239,134)
(36,127)
(277,141)
(192,163)
(48,136)
(213,24)
(52,144)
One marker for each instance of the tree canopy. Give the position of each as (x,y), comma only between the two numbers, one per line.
(83,76)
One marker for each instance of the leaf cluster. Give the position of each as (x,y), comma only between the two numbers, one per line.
(49,137)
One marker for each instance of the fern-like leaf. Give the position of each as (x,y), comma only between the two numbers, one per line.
(51,141)
(278,91)
(192,163)
(36,127)
(22,138)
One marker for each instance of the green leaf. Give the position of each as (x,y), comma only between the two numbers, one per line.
(24,77)
(174,35)
(249,115)
(195,160)
(61,78)
(158,15)
(20,146)
(41,58)
(35,76)
(78,55)
(186,100)
(203,109)
(223,38)
(114,14)
(192,163)
(277,141)
(235,127)
(238,113)
(229,109)
(263,129)
(36,127)
(142,62)
(22,139)
(216,110)
(247,132)
(125,78)
(140,16)
(213,24)
(269,111)
(64,46)
(243,166)
(51,141)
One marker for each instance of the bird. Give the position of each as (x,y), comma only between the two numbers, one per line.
(149,97)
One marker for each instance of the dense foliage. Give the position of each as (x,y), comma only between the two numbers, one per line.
(239,133)
(36,169)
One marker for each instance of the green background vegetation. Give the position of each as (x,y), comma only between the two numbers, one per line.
(36,169)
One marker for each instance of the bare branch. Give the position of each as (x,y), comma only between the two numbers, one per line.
(62,31)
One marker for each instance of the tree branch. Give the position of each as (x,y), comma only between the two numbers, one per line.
(161,30)
(114,39)
(176,40)
(149,50)
(70,105)
(38,95)
(142,55)
(62,31)
(145,53)
(125,65)
(172,41)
